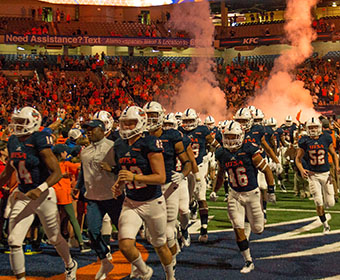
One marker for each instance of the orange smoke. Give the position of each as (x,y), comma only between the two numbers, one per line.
(283,95)
(199,89)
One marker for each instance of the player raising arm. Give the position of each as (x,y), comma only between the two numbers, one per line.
(37,168)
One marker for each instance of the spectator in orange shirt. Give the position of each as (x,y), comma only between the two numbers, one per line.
(63,191)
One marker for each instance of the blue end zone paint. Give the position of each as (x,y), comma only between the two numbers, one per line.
(219,259)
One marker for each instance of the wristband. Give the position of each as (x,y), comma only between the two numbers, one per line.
(271,189)
(43,187)
(60,118)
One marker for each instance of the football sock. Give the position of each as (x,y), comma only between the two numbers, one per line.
(169,271)
(17,260)
(140,264)
(63,250)
(244,248)
(184,220)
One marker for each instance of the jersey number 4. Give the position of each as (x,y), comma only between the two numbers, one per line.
(24,174)
(317,157)
(241,178)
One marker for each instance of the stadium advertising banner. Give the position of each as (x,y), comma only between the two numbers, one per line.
(98,41)
(125,3)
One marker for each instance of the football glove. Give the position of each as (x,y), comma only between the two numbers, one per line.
(177,177)
(213,196)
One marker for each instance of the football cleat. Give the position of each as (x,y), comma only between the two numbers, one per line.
(104,270)
(248,266)
(84,248)
(186,239)
(203,238)
(134,271)
(326,229)
(147,275)
(71,272)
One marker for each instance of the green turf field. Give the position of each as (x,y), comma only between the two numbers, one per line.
(287,208)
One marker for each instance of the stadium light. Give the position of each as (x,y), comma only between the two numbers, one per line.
(20,48)
(334,4)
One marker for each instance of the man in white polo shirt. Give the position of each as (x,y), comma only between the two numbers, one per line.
(98,182)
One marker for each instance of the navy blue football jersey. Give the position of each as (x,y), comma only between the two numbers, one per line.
(242,174)
(217,135)
(186,142)
(114,135)
(316,152)
(255,134)
(135,159)
(169,139)
(277,134)
(24,157)
(288,132)
(268,133)
(198,141)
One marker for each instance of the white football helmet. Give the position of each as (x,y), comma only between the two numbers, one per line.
(289,121)
(223,125)
(209,122)
(232,142)
(244,117)
(252,109)
(189,119)
(106,118)
(25,121)
(154,122)
(313,127)
(178,116)
(258,117)
(170,122)
(272,122)
(132,113)
(74,134)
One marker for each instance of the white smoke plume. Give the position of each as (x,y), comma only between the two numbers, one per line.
(199,89)
(283,95)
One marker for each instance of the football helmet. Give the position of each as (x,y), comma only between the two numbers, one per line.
(232,135)
(223,125)
(189,119)
(313,127)
(106,118)
(132,113)
(244,117)
(272,122)
(209,122)
(25,121)
(289,121)
(74,134)
(170,122)
(258,117)
(155,121)
(252,109)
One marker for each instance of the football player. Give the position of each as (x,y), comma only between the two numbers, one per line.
(241,160)
(142,172)
(255,133)
(31,157)
(172,141)
(210,123)
(314,149)
(200,136)
(170,122)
